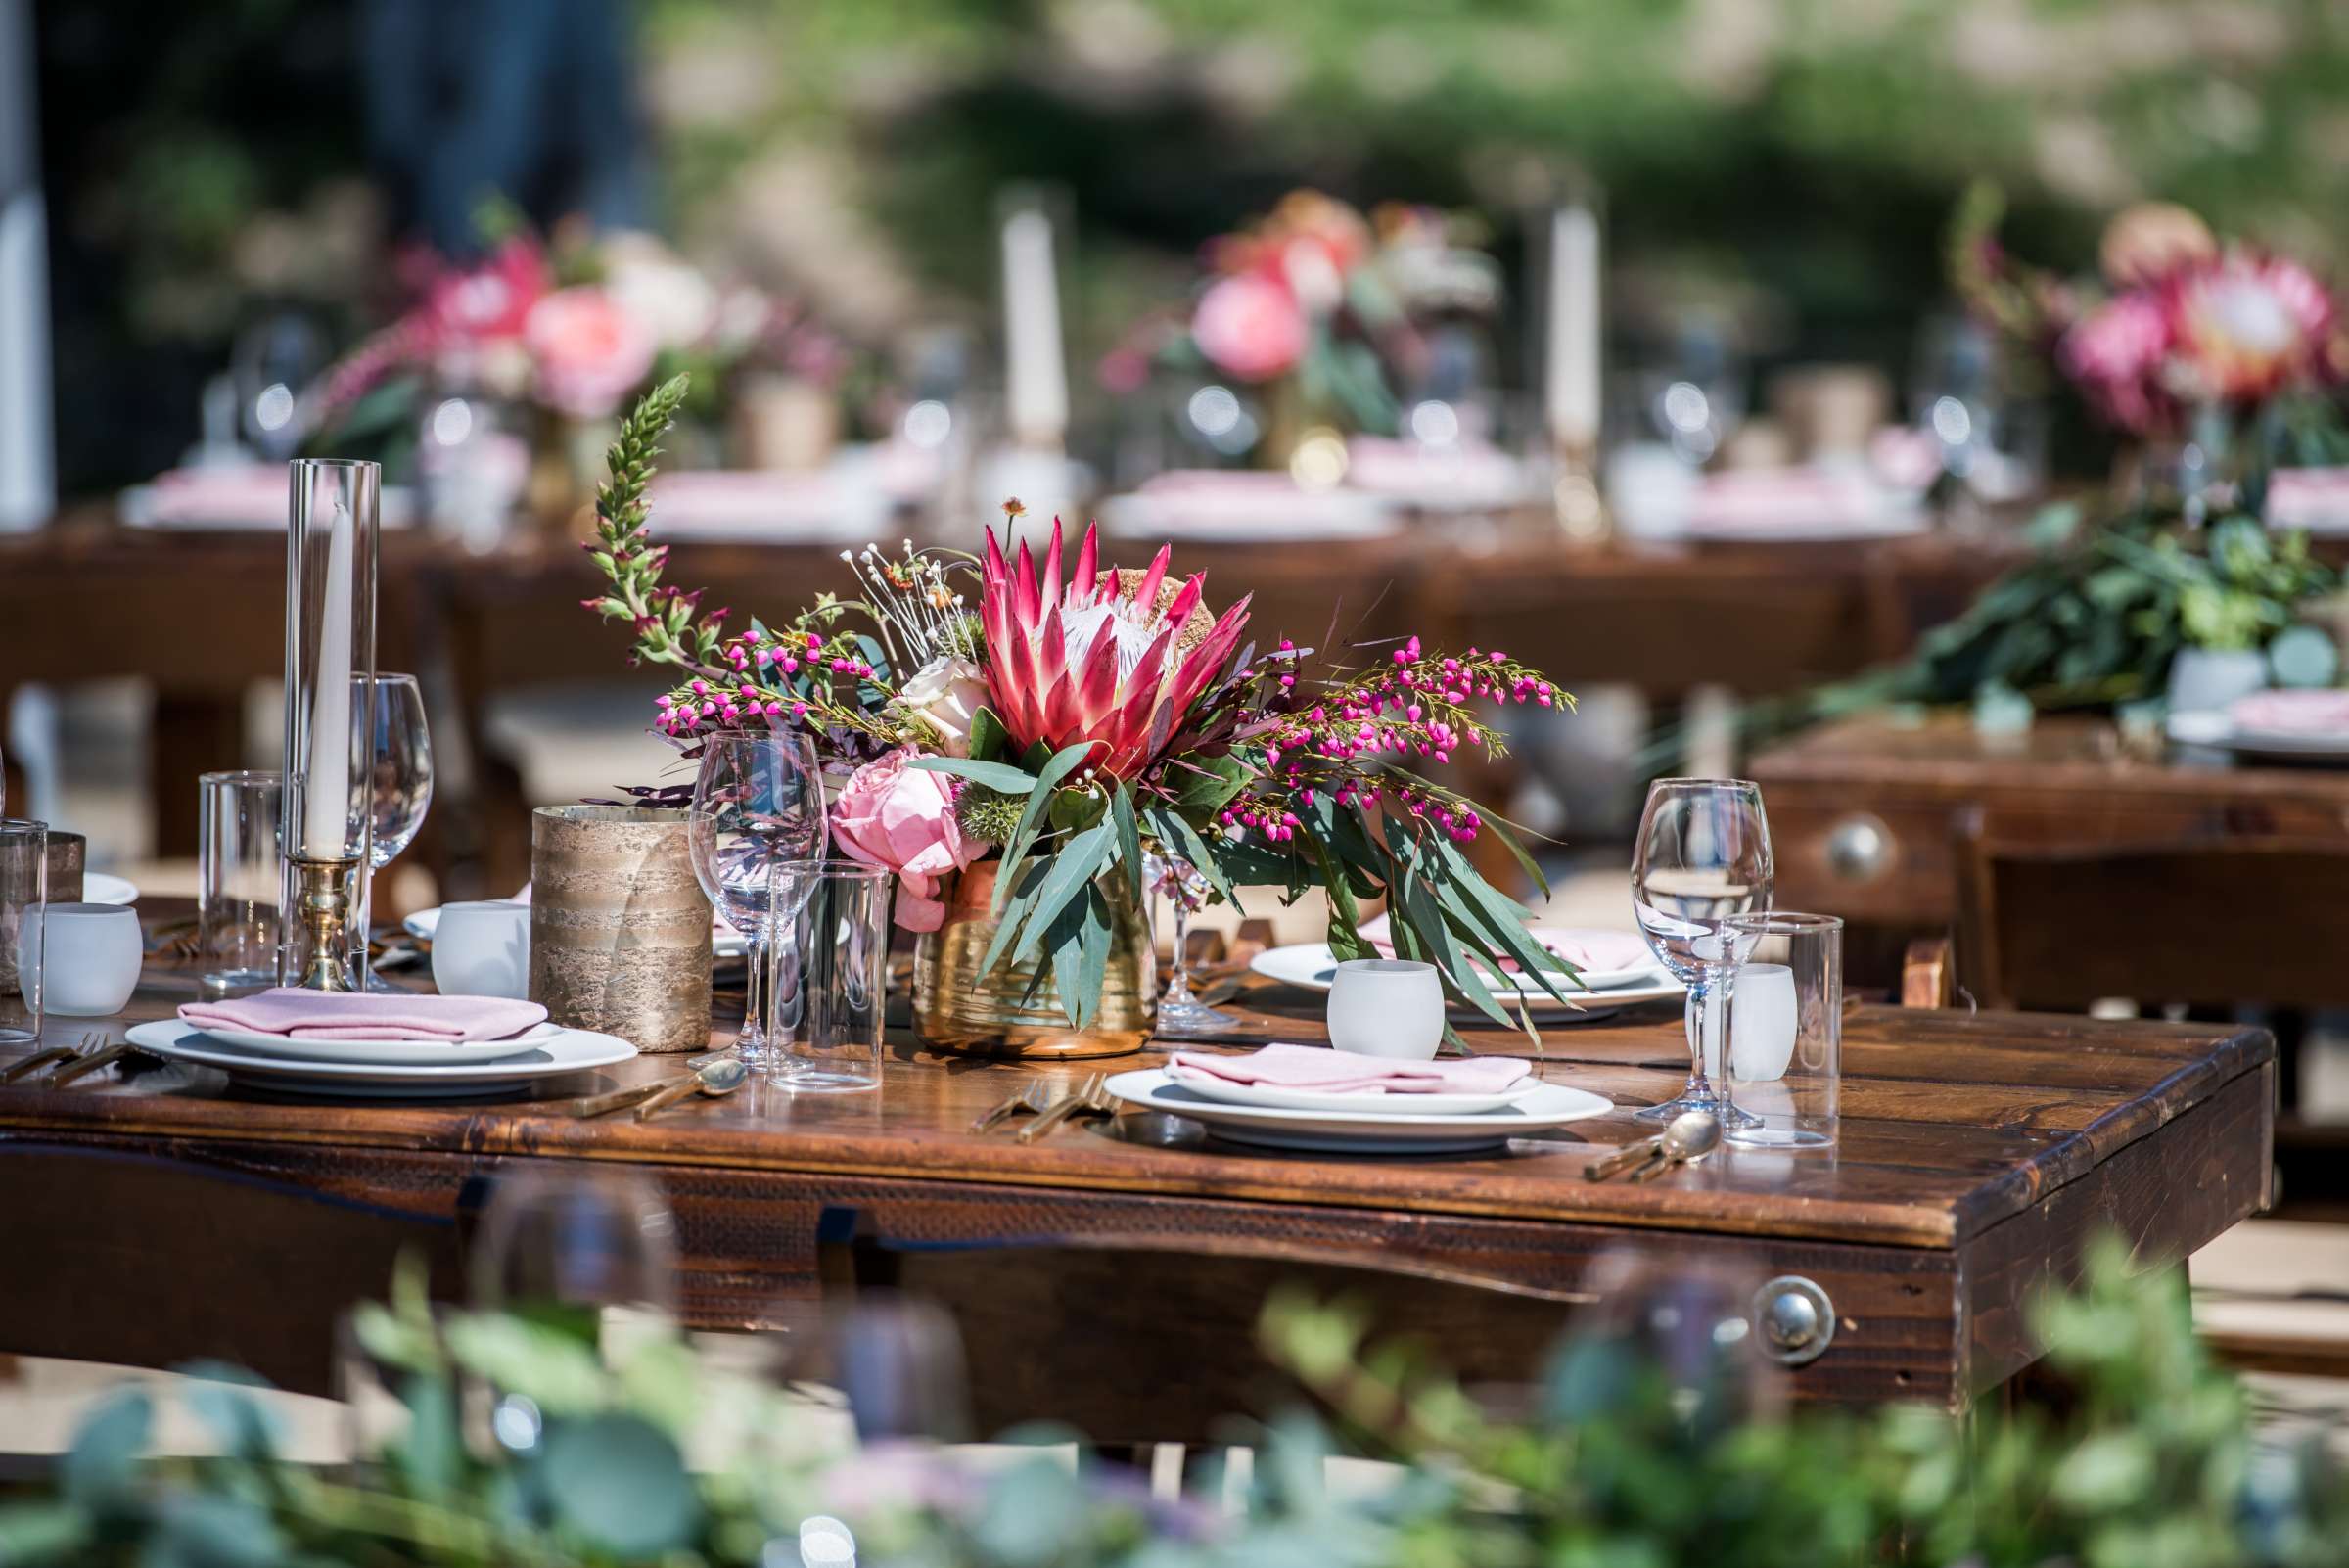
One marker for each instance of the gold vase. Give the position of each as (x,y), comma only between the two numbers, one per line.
(958,1008)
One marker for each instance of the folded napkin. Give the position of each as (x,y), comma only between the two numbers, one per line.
(329,1015)
(1326,1072)
(1586,949)
(2291,712)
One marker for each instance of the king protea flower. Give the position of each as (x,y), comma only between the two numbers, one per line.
(1116,658)
(2248,326)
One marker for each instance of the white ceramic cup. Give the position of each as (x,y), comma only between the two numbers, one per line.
(484,949)
(88,956)
(1762,1024)
(1387,1007)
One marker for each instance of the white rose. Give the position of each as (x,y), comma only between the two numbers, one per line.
(947,692)
(671,298)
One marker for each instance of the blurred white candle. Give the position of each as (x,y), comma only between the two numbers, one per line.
(1035,376)
(326,797)
(1572,394)
(1762,1024)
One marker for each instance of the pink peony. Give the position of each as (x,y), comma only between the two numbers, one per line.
(490,301)
(1250,327)
(903,818)
(590,352)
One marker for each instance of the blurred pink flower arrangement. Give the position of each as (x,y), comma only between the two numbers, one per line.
(2180,322)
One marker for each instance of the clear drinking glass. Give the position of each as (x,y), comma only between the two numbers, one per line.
(827,974)
(1184,888)
(1785,1062)
(236,879)
(400,787)
(1702,855)
(758,802)
(23,909)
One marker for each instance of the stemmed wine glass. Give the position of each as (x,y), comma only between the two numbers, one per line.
(1702,855)
(401,784)
(1184,887)
(759,799)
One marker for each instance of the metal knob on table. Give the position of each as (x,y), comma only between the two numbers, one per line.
(1795,1318)
(1859,848)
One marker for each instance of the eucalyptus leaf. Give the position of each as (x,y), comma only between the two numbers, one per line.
(1130,837)
(98,1470)
(1066,877)
(1001,777)
(1058,767)
(989,740)
(618,1485)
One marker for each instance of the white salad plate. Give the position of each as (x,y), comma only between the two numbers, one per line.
(725,941)
(568,1050)
(1371,1129)
(99,887)
(386,1052)
(1312,966)
(1275,1097)
(2216,728)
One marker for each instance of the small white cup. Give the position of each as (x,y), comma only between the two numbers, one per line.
(1762,1024)
(1387,1007)
(484,949)
(87,955)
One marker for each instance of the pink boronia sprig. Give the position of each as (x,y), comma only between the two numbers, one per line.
(789,675)
(1416,708)
(1276,817)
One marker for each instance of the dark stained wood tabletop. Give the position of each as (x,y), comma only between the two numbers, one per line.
(1979,1155)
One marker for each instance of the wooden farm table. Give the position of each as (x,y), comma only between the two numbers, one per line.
(1110,1276)
(1864,811)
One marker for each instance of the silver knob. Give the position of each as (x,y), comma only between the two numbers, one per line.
(1860,848)
(1795,1319)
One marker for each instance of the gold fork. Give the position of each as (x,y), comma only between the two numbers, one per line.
(35,1062)
(95,1053)
(1090,1100)
(1037,1097)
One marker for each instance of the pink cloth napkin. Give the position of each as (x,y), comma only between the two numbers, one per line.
(1326,1072)
(322,1015)
(1585,949)
(2292,713)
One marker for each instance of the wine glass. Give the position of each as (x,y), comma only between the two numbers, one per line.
(1184,887)
(759,799)
(570,1244)
(401,785)
(1702,855)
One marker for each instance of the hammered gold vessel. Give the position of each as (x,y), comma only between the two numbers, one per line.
(958,1008)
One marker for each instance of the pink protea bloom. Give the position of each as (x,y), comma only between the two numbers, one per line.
(2247,326)
(1111,658)
(1250,327)
(2117,351)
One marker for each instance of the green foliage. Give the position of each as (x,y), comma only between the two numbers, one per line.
(1620,1460)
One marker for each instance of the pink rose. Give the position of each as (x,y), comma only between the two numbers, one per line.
(590,352)
(2116,353)
(1249,325)
(491,302)
(903,818)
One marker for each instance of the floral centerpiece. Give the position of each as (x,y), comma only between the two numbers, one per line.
(1318,315)
(1011,732)
(554,341)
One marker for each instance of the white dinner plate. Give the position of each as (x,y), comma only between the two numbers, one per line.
(386,1052)
(725,941)
(571,1050)
(99,887)
(1275,1097)
(2215,728)
(1312,966)
(1364,1130)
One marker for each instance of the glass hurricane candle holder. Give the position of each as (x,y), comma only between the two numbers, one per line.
(327,823)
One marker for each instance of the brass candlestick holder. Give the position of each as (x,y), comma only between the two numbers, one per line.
(322,909)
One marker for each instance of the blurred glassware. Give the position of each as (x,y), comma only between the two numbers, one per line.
(400,787)
(475,467)
(1184,887)
(239,879)
(273,360)
(1671,1343)
(1989,440)
(759,801)
(827,960)
(569,1243)
(896,1361)
(23,906)
(1694,398)
(1785,1056)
